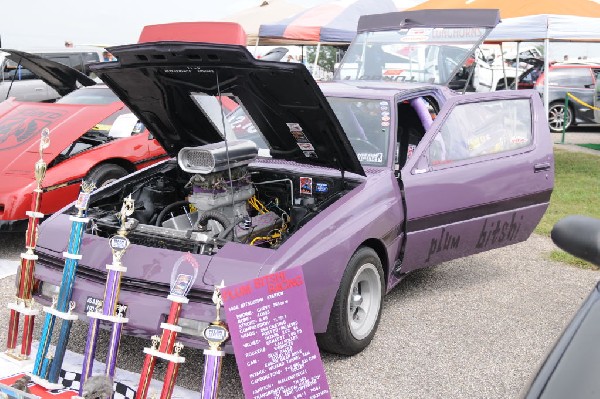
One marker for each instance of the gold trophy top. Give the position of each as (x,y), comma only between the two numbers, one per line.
(84,197)
(126,210)
(119,242)
(216,333)
(40,165)
(217,299)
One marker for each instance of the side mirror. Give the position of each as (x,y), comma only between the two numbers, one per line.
(579,236)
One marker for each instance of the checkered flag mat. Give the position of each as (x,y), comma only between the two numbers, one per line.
(71,381)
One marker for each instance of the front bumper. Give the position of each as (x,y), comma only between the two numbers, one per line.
(147,303)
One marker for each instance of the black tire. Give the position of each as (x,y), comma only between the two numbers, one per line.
(105,174)
(361,294)
(556,117)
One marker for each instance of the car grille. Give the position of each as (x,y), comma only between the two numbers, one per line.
(127,284)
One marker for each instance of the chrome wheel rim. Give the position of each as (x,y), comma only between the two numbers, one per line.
(556,118)
(364,301)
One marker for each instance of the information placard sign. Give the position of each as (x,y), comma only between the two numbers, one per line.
(272,334)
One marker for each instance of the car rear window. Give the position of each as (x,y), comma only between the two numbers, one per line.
(571,77)
(92,95)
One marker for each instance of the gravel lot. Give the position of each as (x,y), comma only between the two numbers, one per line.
(471,328)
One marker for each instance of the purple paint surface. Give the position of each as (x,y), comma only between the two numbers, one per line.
(272,335)
(210,381)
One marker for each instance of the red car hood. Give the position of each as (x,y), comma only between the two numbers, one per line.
(21,125)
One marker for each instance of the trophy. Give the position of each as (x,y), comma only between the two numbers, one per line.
(110,310)
(24,300)
(215,334)
(165,347)
(46,368)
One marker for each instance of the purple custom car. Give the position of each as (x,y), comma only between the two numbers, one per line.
(359,182)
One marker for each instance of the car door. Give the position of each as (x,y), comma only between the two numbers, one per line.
(24,86)
(480,178)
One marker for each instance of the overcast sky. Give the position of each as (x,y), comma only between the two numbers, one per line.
(36,24)
(42,23)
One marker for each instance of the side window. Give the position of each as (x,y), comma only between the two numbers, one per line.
(476,129)
(90,57)
(571,77)
(12,70)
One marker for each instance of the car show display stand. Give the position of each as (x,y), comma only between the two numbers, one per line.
(47,366)
(165,347)
(215,334)
(109,310)
(23,304)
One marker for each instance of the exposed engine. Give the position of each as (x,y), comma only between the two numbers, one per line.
(212,196)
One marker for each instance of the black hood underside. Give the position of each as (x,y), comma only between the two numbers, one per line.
(158,82)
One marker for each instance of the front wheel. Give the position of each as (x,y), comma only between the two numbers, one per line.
(556,117)
(357,307)
(105,174)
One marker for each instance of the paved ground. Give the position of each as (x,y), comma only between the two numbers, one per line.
(471,328)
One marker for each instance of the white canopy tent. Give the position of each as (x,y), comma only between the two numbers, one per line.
(545,28)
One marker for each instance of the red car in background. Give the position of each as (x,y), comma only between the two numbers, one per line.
(93,136)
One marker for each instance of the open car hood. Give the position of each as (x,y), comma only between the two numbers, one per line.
(60,77)
(162,83)
(21,124)
(428,46)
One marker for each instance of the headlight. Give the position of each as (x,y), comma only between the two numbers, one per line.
(48,290)
(192,327)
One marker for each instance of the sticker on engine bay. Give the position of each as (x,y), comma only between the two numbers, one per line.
(306,146)
(370,157)
(294,127)
(299,136)
(306,185)
(310,154)
(321,188)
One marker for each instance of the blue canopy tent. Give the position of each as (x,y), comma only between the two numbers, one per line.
(330,23)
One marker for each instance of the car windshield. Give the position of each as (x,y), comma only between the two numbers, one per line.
(366,122)
(427,55)
(89,95)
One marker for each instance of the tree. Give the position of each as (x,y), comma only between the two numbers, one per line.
(328,56)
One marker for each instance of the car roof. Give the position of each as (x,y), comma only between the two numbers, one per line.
(576,64)
(373,89)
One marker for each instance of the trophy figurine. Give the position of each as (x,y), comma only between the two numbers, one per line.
(166,348)
(46,368)
(24,301)
(110,310)
(215,334)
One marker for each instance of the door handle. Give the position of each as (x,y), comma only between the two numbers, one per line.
(540,167)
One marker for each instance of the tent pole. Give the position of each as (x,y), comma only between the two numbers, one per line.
(256,47)
(546,67)
(503,67)
(314,71)
(517,68)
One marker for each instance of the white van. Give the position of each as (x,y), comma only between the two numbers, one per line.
(18,81)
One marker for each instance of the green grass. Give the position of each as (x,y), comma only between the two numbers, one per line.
(591,146)
(576,191)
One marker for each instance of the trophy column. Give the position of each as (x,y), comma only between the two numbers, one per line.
(165,347)
(47,366)
(110,310)
(24,298)
(215,334)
